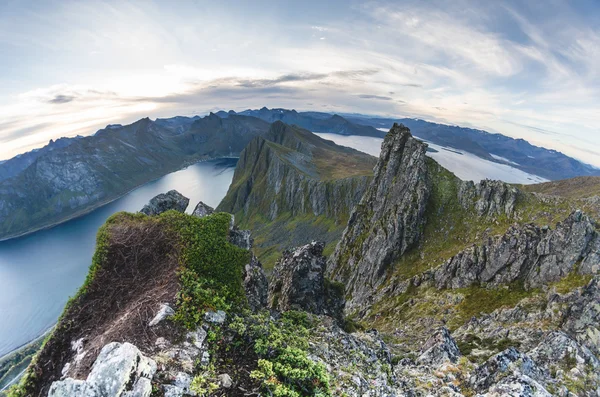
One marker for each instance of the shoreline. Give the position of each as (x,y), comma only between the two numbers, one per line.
(85,212)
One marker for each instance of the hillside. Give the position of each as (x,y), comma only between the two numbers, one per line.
(70,177)
(575,188)
(290,186)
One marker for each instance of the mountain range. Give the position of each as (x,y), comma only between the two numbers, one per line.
(71,176)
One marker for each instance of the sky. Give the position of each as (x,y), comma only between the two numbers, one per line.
(526,69)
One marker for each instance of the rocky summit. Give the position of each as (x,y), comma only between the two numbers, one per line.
(436,287)
(389,218)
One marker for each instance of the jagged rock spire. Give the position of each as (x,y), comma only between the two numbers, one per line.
(389,219)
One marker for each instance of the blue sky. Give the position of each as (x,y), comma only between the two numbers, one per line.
(526,69)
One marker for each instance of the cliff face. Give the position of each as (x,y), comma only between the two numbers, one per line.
(389,219)
(536,256)
(291,176)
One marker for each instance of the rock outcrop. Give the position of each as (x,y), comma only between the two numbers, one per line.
(119,371)
(256,285)
(389,219)
(202,210)
(299,283)
(172,200)
(490,198)
(529,253)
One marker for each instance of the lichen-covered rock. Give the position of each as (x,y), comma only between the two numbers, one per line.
(498,367)
(388,220)
(172,200)
(241,238)
(299,282)
(118,370)
(256,285)
(530,253)
(163,313)
(202,210)
(440,348)
(489,198)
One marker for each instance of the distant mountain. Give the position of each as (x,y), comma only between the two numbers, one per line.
(69,177)
(14,166)
(312,121)
(517,153)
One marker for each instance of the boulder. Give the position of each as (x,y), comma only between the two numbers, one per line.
(172,200)
(496,369)
(120,370)
(202,210)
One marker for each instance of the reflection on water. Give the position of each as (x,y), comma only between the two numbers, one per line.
(40,271)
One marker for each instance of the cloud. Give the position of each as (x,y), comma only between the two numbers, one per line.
(58,99)
(379,97)
(499,66)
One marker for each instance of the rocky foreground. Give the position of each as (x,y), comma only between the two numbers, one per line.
(437,287)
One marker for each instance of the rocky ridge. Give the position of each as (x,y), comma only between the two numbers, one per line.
(389,218)
(278,183)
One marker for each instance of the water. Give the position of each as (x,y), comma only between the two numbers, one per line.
(40,271)
(464,165)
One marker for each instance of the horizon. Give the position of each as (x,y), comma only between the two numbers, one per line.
(521,70)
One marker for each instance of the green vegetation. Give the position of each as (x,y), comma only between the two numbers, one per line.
(571,281)
(478,299)
(212,268)
(283,366)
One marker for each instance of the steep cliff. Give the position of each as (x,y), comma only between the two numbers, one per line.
(389,219)
(291,186)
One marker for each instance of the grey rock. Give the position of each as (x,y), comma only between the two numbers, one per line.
(217,317)
(173,391)
(241,238)
(225,381)
(256,285)
(510,361)
(197,337)
(205,360)
(389,219)
(183,381)
(440,348)
(141,388)
(489,198)
(117,368)
(172,200)
(536,255)
(164,312)
(299,281)
(202,210)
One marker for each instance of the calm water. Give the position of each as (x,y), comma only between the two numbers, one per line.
(39,272)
